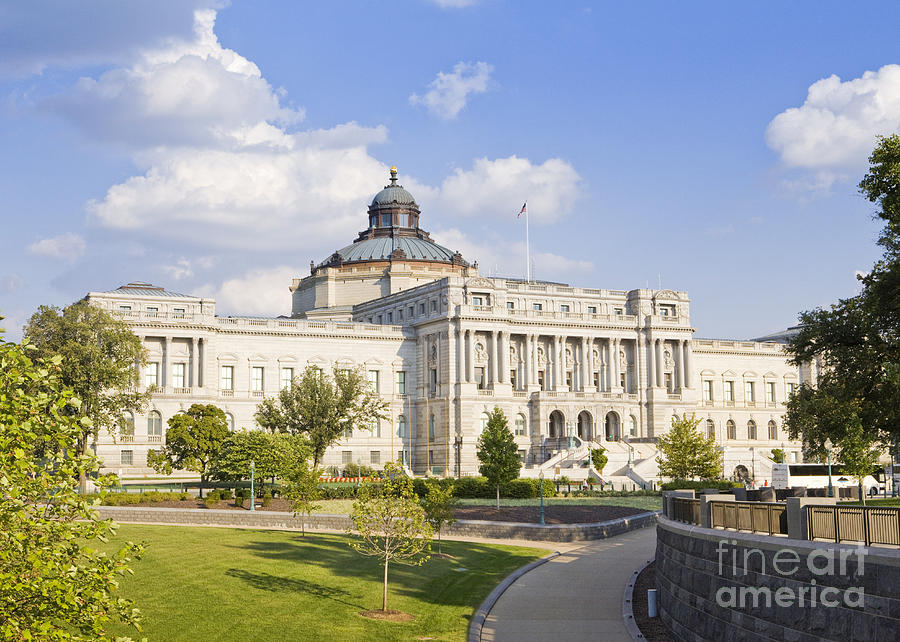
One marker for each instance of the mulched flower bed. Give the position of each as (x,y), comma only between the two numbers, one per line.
(526,514)
(652,628)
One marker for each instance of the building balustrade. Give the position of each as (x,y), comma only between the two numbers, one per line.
(154,439)
(226,393)
(181,391)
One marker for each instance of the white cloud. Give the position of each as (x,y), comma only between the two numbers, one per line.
(262,291)
(500,257)
(189,93)
(11,283)
(835,128)
(66,246)
(499,187)
(183,268)
(449,92)
(38,34)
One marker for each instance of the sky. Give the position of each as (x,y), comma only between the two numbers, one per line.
(217,148)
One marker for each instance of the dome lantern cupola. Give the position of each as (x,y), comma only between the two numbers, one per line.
(393,207)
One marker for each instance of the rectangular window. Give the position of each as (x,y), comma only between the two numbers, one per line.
(510,305)
(390,318)
(537,307)
(256,378)
(375,457)
(512,379)
(227,380)
(152,312)
(178,313)
(421,308)
(124,308)
(770,391)
(400,314)
(791,389)
(623,381)
(401,382)
(569,378)
(431,428)
(374,382)
(541,379)
(178,375)
(287,378)
(667,310)
(411,311)
(564,308)
(127,457)
(669,387)
(431,458)
(750,391)
(346,456)
(618,311)
(592,309)
(402,458)
(385,220)
(522,456)
(477,300)
(375,428)
(479,378)
(432,381)
(380,319)
(729,391)
(708,390)
(434,305)
(597,380)
(151,374)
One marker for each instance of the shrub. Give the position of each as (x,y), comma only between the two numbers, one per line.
(690,484)
(356,470)
(211,499)
(225,493)
(239,495)
(267,498)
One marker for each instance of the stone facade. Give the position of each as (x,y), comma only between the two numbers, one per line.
(571,367)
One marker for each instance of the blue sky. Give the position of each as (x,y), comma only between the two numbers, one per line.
(218,148)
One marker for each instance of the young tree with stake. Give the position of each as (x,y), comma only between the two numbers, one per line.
(497,452)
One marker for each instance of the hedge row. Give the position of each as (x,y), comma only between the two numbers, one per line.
(690,484)
(124,499)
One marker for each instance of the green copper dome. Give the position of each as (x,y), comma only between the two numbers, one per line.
(393,194)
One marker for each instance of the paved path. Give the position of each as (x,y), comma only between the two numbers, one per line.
(576,596)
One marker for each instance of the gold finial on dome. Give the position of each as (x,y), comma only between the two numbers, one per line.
(393,174)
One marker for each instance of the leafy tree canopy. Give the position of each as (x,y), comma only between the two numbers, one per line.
(323,407)
(193,441)
(497,452)
(302,489)
(599,459)
(102,357)
(856,342)
(53,585)
(687,453)
(273,455)
(439,504)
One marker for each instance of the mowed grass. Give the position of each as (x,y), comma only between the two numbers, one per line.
(645,502)
(198,584)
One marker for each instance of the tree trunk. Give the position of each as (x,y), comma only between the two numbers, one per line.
(384,596)
(302,525)
(202,482)
(440,552)
(498,496)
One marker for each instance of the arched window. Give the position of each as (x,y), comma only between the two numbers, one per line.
(154,424)
(732,429)
(229,421)
(632,426)
(127,427)
(485,418)
(401,426)
(751,429)
(773,430)
(520,425)
(710,428)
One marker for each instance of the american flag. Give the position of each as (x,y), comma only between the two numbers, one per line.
(522,211)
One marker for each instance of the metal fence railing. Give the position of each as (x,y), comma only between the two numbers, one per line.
(755,517)
(866,524)
(685,509)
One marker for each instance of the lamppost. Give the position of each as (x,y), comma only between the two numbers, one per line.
(457,442)
(630,449)
(828,447)
(541,477)
(252,494)
(752,466)
(571,427)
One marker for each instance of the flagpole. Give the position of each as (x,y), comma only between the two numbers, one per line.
(527,252)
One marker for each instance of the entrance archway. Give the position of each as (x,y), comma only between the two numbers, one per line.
(612,427)
(556,427)
(585,425)
(741,473)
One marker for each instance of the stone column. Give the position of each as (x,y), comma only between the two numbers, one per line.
(589,342)
(493,365)
(563,367)
(679,363)
(195,362)
(613,363)
(503,359)
(164,376)
(535,366)
(688,357)
(525,358)
(470,356)
(651,368)
(660,363)
(460,353)
(638,365)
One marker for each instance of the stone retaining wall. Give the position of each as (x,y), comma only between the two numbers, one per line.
(464,528)
(698,570)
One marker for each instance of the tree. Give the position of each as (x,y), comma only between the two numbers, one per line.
(102,357)
(302,489)
(777,455)
(856,342)
(322,407)
(273,455)
(858,455)
(53,585)
(497,452)
(439,504)
(599,459)
(193,441)
(389,523)
(686,453)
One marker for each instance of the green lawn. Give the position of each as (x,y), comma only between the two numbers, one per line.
(646,502)
(233,584)
(883,501)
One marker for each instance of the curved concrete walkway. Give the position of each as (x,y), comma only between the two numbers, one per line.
(575,596)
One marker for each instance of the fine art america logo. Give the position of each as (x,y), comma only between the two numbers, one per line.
(786,563)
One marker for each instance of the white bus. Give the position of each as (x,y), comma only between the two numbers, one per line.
(816,476)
